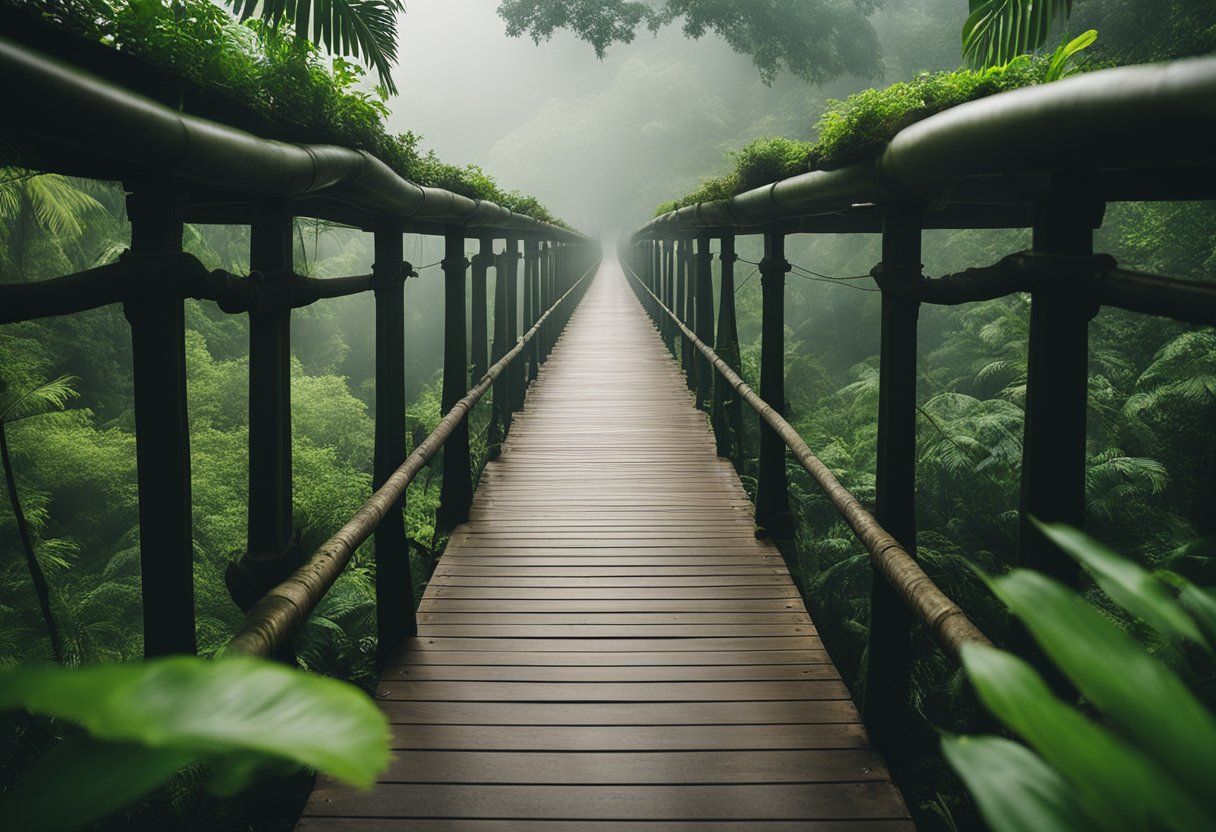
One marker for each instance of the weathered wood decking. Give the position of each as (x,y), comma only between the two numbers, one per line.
(605,645)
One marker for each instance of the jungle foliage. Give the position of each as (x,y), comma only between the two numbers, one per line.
(140,723)
(1144,665)
(815,40)
(268,69)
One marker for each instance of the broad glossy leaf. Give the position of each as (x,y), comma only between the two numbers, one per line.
(1198,602)
(1147,702)
(213,709)
(1113,780)
(1014,789)
(1129,586)
(83,779)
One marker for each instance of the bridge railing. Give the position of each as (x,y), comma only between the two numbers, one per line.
(179,168)
(1049,158)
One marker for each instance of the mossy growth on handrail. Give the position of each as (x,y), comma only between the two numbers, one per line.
(860,126)
(273,73)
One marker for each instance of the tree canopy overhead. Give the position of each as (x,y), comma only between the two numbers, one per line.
(816,40)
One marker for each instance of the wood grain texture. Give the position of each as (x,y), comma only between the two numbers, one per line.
(605,645)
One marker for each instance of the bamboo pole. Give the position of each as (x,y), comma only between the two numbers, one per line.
(946,621)
(284,609)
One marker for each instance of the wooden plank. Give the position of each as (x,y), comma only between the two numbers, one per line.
(598,768)
(469,691)
(345,824)
(612,673)
(800,801)
(616,645)
(621,713)
(723,659)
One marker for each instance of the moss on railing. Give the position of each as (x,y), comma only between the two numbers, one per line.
(284,79)
(860,126)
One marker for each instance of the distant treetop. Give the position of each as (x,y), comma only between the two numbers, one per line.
(816,40)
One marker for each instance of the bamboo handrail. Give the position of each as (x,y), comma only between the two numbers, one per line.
(949,625)
(283,610)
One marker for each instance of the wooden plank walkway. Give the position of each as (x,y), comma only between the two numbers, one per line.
(605,645)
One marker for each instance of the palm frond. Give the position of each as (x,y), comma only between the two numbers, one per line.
(52,395)
(364,29)
(997,31)
(59,206)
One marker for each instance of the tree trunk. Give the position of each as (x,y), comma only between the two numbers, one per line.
(39,579)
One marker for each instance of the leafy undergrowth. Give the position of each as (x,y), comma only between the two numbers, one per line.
(273,72)
(860,126)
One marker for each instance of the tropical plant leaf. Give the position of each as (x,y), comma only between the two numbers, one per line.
(997,31)
(365,29)
(1198,602)
(1014,789)
(53,395)
(1129,586)
(1119,678)
(212,709)
(1114,782)
(83,779)
(1057,69)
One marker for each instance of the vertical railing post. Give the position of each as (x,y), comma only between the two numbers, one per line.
(704,320)
(478,336)
(889,655)
(656,281)
(500,419)
(546,299)
(457,490)
(669,294)
(515,372)
(728,407)
(533,309)
(394,584)
(772,487)
(272,551)
(683,307)
(1053,449)
(162,433)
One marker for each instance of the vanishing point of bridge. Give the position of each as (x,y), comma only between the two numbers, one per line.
(606,642)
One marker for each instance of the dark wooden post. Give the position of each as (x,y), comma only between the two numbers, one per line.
(500,419)
(162,434)
(772,487)
(272,551)
(533,309)
(669,293)
(457,491)
(515,372)
(1053,451)
(704,321)
(728,407)
(479,338)
(684,306)
(889,657)
(545,267)
(394,585)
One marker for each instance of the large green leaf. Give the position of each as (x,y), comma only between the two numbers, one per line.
(1140,696)
(366,28)
(1198,602)
(214,709)
(1129,586)
(997,31)
(1014,789)
(84,779)
(1113,781)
